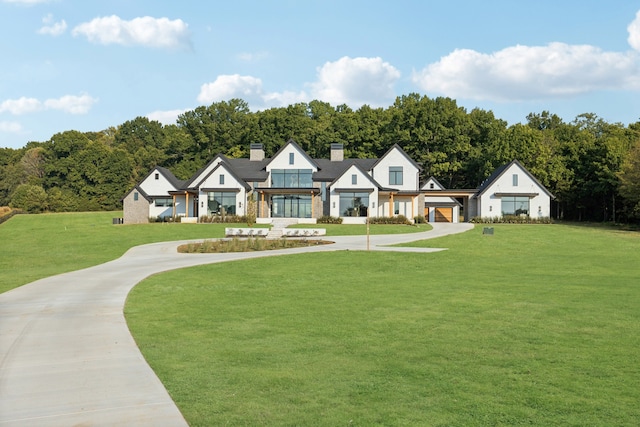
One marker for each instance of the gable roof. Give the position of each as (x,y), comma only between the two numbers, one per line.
(484,186)
(297,147)
(229,169)
(396,146)
(436,182)
(361,170)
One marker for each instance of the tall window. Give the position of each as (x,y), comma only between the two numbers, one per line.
(221,203)
(221,179)
(291,178)
(395,175)
(354,179)
(514,205)
(515,179)
(354,204)
(291,158)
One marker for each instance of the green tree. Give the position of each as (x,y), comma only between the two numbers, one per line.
(30,198)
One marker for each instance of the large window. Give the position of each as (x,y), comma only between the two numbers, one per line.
(291,178)
(221,203)
(291,206)
(165,202)
(354,204)
(395,175)
(514,205)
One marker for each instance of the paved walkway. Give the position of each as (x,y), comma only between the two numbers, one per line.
(67,357)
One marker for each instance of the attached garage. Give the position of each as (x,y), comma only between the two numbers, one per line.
(443,214)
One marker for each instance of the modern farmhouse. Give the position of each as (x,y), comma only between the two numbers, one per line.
(293,185)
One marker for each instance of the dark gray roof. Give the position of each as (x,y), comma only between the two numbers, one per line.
(329,171)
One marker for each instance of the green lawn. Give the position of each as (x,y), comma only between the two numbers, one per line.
(535,325)
(37,246)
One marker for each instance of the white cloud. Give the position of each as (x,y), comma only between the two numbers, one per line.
(52,28)
(144,31)
(526,73)
(168,117)
(356,81)
(69,103)
(10,127)
(634,32)
(226,87)
(351,81)
(21,105)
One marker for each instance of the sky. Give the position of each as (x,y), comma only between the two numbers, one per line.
(89,65)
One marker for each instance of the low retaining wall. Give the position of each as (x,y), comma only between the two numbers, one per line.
(304,232)
(245,231)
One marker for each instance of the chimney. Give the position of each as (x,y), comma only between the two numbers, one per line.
(256,152)
(337,152)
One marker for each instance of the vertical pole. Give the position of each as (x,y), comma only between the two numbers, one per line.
(186,204)
(368,239)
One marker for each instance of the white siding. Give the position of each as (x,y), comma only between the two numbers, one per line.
(345,181)
(282,160)
(230,184)
(490,205)
(156,187)
(410,178)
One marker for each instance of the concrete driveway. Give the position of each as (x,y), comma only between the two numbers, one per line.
(68,359)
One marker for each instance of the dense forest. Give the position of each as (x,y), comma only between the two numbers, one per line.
(591,166)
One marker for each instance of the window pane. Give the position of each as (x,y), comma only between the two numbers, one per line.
(354,204)
(221,203)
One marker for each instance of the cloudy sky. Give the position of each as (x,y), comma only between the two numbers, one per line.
(89,65)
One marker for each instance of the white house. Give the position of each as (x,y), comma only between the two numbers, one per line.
(511,190)
(288,185)
(293,185)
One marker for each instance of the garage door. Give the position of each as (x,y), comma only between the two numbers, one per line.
(444,215)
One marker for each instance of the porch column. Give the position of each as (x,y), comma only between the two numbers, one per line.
(173,207)
(313,200)
(186,205)
(262,204)
(412,207)
(390,205)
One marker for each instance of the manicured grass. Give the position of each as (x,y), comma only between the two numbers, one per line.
(535,325)
(37,246)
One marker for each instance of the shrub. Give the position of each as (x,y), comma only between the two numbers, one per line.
(511,219)
(398,219)
(419,219)
(327,219)
(227,219)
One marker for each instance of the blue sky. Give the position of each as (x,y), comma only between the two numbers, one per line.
(89,65)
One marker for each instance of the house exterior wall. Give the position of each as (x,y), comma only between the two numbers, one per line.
(363,181)
(135,211)
(489,205)
(159,186)
(230,184)
(410,174)
(300,160)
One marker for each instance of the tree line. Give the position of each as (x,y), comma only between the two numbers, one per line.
(591,166)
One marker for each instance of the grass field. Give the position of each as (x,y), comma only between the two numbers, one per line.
(37,246)
(535,325)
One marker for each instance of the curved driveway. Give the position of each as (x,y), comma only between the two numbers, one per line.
(67,357)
